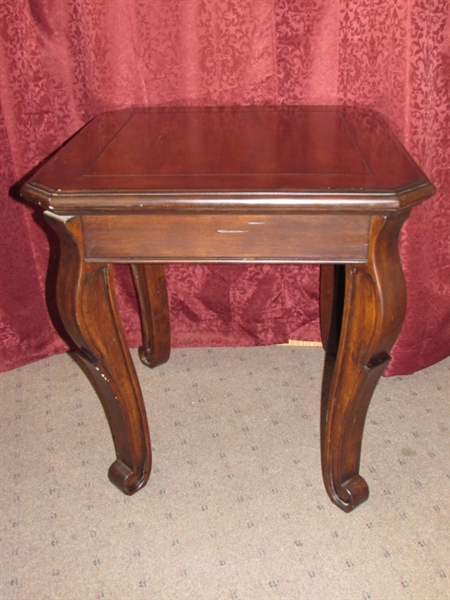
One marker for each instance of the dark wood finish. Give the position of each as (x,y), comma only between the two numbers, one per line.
(150,284)
(256,184)
(87,304)
(224,237)
(358,337)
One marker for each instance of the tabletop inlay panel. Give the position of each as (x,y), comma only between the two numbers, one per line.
(264,142)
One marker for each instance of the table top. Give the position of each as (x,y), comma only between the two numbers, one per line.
(284,158)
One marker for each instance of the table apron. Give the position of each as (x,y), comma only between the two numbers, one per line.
(222,237)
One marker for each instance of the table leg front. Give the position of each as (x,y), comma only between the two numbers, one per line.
(88,308)
(357,339)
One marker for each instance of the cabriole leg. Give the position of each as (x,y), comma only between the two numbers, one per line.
(358,334)
(88,308)
(150,284)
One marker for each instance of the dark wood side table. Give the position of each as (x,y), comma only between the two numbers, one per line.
(145,187)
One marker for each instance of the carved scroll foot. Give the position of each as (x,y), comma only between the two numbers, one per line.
(358,334)
(150,284)
(87,304)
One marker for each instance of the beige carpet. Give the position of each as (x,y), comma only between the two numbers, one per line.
(235,508)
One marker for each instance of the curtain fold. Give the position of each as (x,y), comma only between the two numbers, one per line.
(64,61)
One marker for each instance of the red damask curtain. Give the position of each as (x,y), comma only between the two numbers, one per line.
(64,61)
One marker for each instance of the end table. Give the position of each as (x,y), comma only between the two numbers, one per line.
(292,184)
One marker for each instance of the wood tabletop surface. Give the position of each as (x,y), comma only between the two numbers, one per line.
(278,158)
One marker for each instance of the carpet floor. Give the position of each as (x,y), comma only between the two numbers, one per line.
(235,508)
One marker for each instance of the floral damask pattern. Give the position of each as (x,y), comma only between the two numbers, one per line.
(426,241)
(296,38)
(63,62)
(307,50)
(372,54)
(392,58)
